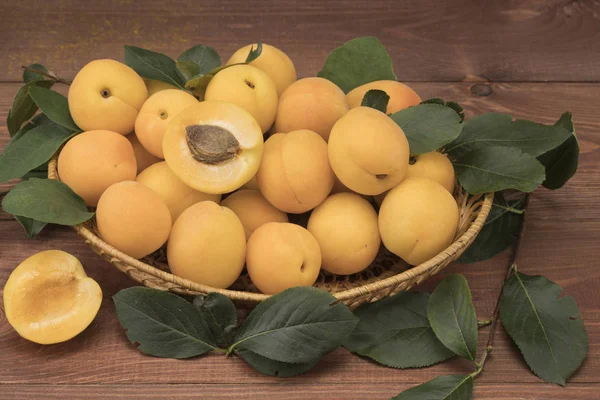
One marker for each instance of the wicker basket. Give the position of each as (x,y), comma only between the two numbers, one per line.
(387,275)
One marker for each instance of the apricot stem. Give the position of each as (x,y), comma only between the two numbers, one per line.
(211,144)
(47,75)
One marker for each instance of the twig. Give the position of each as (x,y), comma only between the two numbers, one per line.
(47,75)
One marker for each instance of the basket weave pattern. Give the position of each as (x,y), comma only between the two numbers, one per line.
(386,276)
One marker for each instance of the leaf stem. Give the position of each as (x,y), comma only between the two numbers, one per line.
(47,75)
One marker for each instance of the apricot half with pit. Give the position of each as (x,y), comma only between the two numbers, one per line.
(49,299)
(214,147)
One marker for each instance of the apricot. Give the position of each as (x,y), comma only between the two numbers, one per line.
(368,151)
(207,245)
(49,299)
(401,96)
(272,61)
(154,86)
(133,218)
(142,157)
(176,194)
(214,147)
(251,184)
(249,88)
(418,220)
(92,161)
(281,256)
(310,103)
(295,175)
(345,226)
(253,210)
(155,115)
(106,94)
(435,166)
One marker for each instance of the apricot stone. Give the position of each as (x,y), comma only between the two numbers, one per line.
(133,218)
(106,94)
(92,161)
(142,157)
(295,175)
(310,103)
(368,151)
(282,255)
(207,245)
(401,96)
(435,166)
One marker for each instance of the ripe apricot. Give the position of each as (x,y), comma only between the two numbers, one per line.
(92,161)
(49,299)
(176,194)
(295,175)
(207,245)
(282,255)
(133,218)
(418,219)
(154,86)
(368,151)
(214,147)
(155,115)
(345,226)
(251,184)
(142,157)
(253,210)
(106,94)
(435,166)
(272,61)
(401,96)
(310,103)
(249,88)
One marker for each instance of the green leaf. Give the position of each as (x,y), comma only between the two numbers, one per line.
(46,201)
(29,76)
(495,168)
(428,127)
(446,387)
(55,106)
(164,324)
(499,231)
(151,65)
(548,331)
(199,83)
(31,150)
(23,107)
(561,162)
(220,315)
(205,57)
(453,105)
(359,61)
(187,69)
(298,325)
(254,53)
(31,226)
(275,368)
(495,129)
(395,332)
(377,99)
(452,316)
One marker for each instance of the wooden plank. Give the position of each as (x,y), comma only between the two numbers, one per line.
(521,40)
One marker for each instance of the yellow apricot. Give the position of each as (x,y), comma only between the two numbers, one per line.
(142,157)
(310,103)
(368,151)
(345,226)
(435,166)
(251,184)
(133,218)
(176,194)
(106,94)
(253,210)
(281,256)
(92,161)
(207,245)
(248,87)
(154,86)
(155,115)
(401,96)
(214,147)
(272,61)
(295,175)
(49,299)
(418,219)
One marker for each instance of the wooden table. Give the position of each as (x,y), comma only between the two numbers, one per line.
(533,59)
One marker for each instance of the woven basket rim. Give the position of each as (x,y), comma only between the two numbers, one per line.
(456,247)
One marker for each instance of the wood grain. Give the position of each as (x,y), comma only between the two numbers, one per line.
(517,40)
